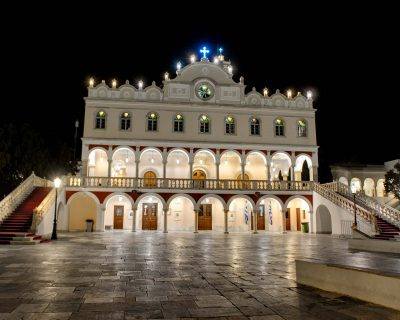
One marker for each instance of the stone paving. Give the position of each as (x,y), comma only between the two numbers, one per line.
(125,275)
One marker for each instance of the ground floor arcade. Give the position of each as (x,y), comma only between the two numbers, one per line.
(186,212)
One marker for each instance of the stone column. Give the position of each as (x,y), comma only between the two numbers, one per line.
(283,221)
(226,211)
(190,170)
(137,172)
(133,219)
(84,168)
(109,167)
(311,222)
(255,213)
(165,220)
(315,173)
(100,223)
(292,177)
(196,221)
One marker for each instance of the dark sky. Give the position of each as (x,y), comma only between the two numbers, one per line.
(349,56)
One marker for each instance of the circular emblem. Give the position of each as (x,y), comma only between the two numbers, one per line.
(204,91)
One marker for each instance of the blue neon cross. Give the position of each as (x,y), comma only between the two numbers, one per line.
(204,51)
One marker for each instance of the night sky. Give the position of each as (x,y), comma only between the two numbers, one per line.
(348,56)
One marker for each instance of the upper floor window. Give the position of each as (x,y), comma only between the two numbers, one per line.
(152,121)
(279,127)
(178,123)
(100,120)
(301,128)
(204,124)
(125,121)
(229,125)
(254,127)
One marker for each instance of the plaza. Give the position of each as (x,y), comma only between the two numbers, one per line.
(148,274)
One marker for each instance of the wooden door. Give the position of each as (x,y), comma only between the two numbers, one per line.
(205,217)
(261,218)
(298,219)
(241,183)
(118,217)
(287,215)
(199,176)
(150,179)
(149,216)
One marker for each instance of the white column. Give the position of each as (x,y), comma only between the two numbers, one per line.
(100,224)
(190,169)
(242,165)
(283,221)
(196,221)
(165,220)
(217,163)
(314,173)
(133,219)
(226,211)
(255,214)
(311,222)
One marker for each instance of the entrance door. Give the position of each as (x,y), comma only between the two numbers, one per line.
(149,179)
(241,183)
(205,217)
(149,216)
(261,218)
(287,219)
(118,217)
(298,219)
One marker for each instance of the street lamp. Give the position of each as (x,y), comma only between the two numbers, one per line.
(57,184)
(354,192)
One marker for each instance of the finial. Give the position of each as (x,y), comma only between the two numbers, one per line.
(153,83)
(127,82)
(241,79)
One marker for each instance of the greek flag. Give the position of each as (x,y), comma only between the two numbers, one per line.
(246,214)
(270,213)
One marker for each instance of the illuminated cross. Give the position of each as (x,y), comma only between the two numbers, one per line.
(204,51)
(220,51)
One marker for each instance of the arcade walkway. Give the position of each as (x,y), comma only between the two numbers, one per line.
(122,275)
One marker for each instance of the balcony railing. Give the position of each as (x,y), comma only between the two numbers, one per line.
(186,184)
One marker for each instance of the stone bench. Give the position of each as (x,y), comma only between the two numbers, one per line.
(374,286)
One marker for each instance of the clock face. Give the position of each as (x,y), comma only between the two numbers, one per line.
(204,91)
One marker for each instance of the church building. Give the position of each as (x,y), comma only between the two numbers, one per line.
(198,152)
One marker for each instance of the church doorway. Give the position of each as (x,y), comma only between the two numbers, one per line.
(118,217)
(150,179)
(149,216)
(287,218)
(261,218)
(205,217)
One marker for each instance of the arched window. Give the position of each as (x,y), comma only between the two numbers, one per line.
(178,123)
(125,121)
(204,124)
(100,120)
(152,121)
(229,125)
(279,127)
(254,127)
(301,128)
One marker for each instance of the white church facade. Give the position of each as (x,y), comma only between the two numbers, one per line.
(197,153)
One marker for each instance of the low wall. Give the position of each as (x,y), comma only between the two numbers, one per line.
(363,284)
(375,245)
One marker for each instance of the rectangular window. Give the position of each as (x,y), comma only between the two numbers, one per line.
(229,128)
(204,127)
(125,124)
(178,126)
(279,130)
(100,123)
(151,125)
(255,129)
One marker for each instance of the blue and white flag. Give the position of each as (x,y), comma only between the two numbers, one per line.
(246,214)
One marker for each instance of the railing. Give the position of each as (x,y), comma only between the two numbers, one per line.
(187,184)
(329,193)
(384,211)
(42,208)
(15,198)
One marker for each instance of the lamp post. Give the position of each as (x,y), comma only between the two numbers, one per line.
(354,192)
(57,184)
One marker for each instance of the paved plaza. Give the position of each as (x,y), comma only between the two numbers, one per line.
(125,275)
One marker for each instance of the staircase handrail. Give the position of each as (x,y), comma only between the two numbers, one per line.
(15,197)
(42,208)
(329,193)
(383,210)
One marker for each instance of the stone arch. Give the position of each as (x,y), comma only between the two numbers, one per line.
(298,168)
(344,180)
(151,159)
(255,165)
(149,194)
(310,207)
(120,199)
(356,184)
(323,220)
(83,205)
(121,194)
(178,150)
(369,187)
(281,161)
(205,160)
(230,164)
(209,151)
(184,195)
(264,197)
(215,196)
(97,165)
(243,196)
(177,165)
(123,166)
(380,188)
(297,210)
(231,150)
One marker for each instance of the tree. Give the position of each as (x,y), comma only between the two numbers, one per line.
(392,181)
(305,172)
(289,177)
(280,176)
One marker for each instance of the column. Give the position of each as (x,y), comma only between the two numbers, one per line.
(191,160)
(133,219)
(100,224)
(292,178)
(283,221)
(315,173)
(165,220)
(137,172)
(84,168)
(226,211)
(255,216)
(310,214)
(109,167)
(217,163)
(196,221)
